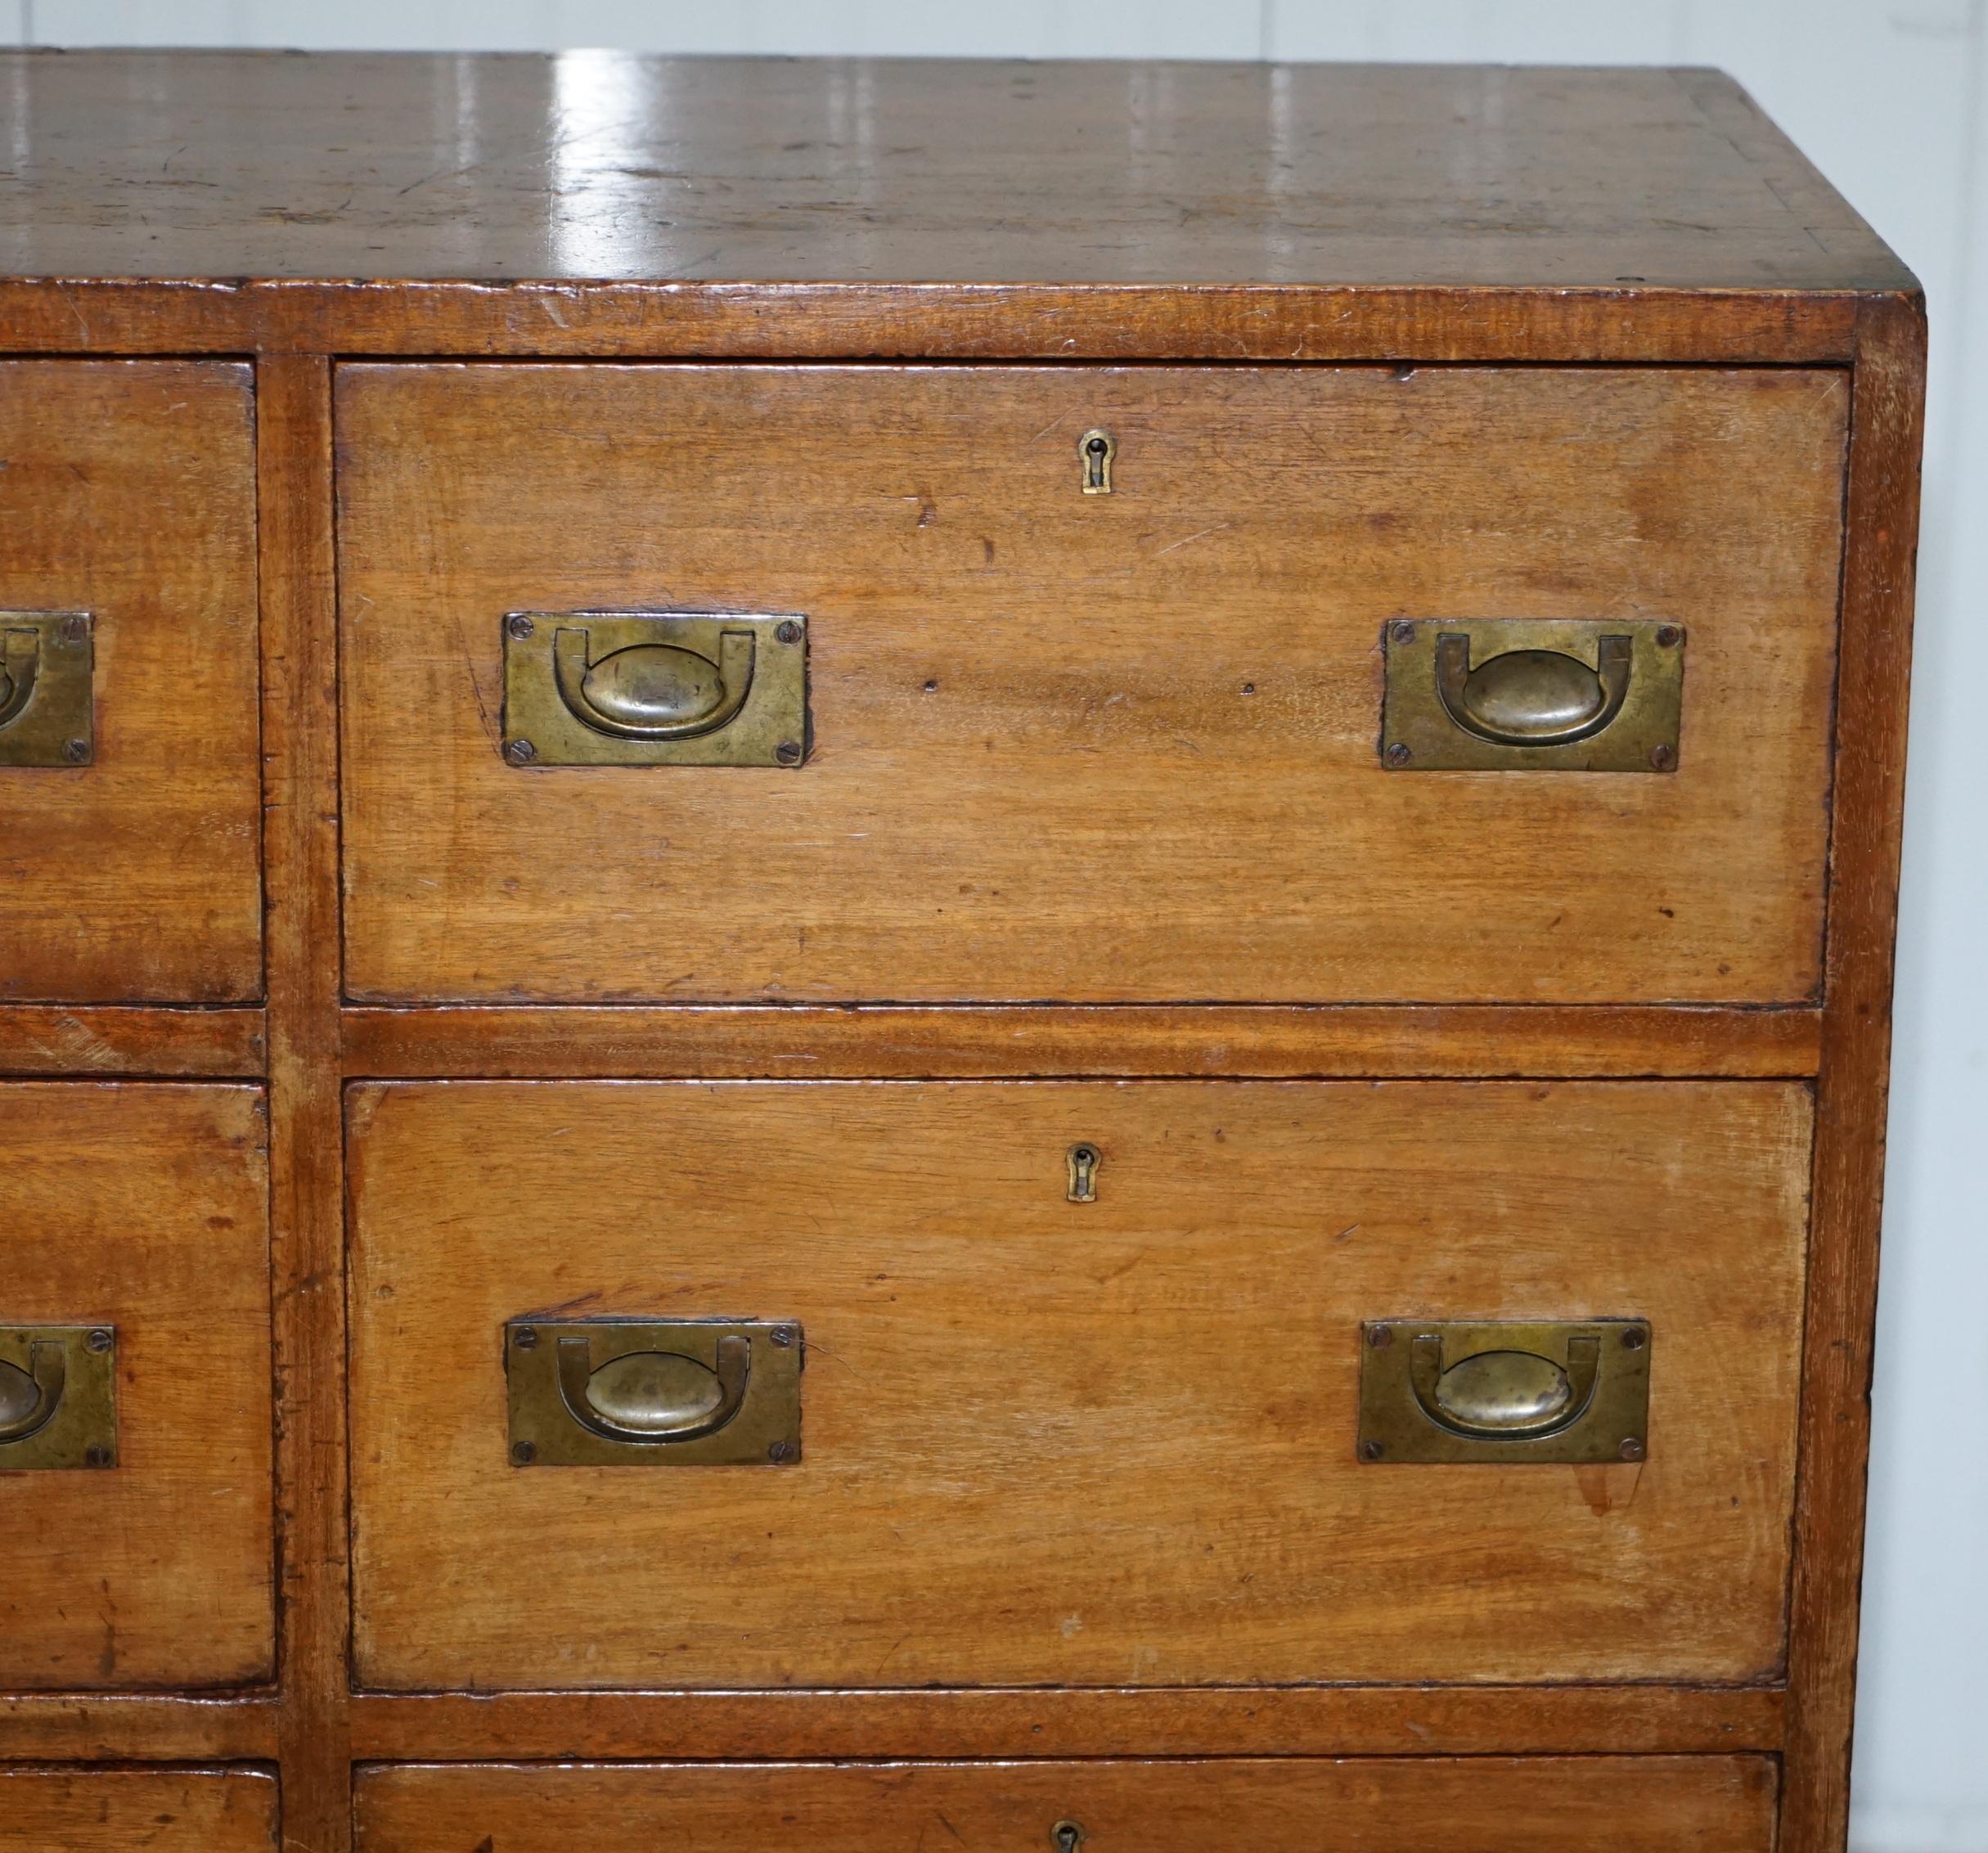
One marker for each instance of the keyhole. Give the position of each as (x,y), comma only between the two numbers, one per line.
(1066,1836)
(1097,449)
(1083,1174)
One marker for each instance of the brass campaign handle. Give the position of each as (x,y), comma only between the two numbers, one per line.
(47,1373)
(662,1418)
(1504,1395)
(1532,697)
(649,699)
(19,661)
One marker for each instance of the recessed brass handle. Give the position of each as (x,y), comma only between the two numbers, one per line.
(1532,697)
(29,1398)
(1504,1395)
(654,1396)
(21,660)
(1504,1391)
(653,691)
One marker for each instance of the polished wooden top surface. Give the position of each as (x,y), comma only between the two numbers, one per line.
(595,165)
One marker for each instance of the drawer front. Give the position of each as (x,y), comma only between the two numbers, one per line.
(138,1214)
(1071,746)
(1490,1805)
(127,502)
(115,1810)
(1101,1442)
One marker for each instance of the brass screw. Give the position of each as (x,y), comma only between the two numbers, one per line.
(75,751)
(1662,755)
(1371,1450)
(1669,635)
(519,625)
(97,1457)
(788,632)
(1380,1337)
(1404,632)
(525,1338)
(788,752)
(1631,1449)
(99,1340)
(1633,1339)
(1399,754)
(520,752)
(75,629)
(523,1453)
(782,1335)
(781,1452)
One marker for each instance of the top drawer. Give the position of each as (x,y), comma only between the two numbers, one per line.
(130,788)
(1064,746)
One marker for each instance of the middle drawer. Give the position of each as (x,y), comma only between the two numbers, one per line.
(1082,1401)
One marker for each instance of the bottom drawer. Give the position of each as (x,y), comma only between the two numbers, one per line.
(113,1810)
(1486,1805)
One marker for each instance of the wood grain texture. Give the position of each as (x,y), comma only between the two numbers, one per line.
(128,1728)
(1072,748)
(120,1810)
(301,845)
(143,1207)
(128,490)
(1277,323)
(598,165)
(1630,1804)
(1849,1178)
(1198,1721)
(50,1039)
(1055,1444)
(797,1042)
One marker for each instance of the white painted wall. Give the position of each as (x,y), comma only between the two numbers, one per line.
(1891,98)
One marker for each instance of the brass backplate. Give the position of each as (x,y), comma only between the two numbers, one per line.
(47,706)
(544,1431)
(1611,1424)
(740,696)
(80,1426)
(1418,734)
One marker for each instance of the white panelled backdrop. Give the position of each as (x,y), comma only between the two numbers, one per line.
(1891,98)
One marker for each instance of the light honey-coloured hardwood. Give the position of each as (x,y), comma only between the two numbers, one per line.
(307,1157)
(599,166)
(128,490)
(145,1207)
(1105,1444)
(201,210)
(55,1811)
(1086,748)
(787,1041)
(1628,1805)
(960,1722)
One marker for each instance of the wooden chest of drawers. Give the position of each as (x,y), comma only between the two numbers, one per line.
(900,952)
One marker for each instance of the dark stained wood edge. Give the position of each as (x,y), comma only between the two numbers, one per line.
(1874,675)
(86,1728)
(1312,1720)
(932,322)
(300,860)
(747,1042)
(123,1040)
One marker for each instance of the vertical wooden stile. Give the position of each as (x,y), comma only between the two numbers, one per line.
(1873,680)
(300,852)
